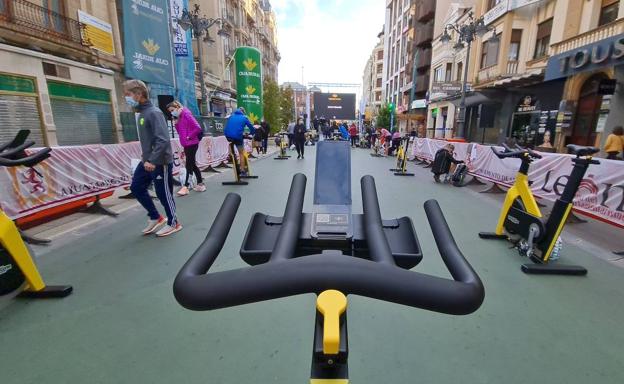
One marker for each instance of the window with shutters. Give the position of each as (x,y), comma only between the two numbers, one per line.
(460,71)
(449,72)
(514,45)
(542,42)
(609,11)
(489,52)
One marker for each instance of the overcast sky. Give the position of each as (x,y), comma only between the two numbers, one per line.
(332,39)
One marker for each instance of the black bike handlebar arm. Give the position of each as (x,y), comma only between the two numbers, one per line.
(27,161)
(531,152)
(502,155)
(9,153)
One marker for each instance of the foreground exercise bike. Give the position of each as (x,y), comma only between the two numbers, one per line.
(401,158)
(17,267)
(521,221)
(332,253)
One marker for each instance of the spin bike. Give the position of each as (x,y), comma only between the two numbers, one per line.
(401,159)
(238,162)
(376,148)
(330,252)
(521,221)
(283,146)
(17,267)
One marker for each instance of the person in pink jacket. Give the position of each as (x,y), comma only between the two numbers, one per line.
(189,132)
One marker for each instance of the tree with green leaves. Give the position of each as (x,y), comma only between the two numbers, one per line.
(287,106)
(383,118)
(271,104)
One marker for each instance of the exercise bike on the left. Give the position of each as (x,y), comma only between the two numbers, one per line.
(18,270)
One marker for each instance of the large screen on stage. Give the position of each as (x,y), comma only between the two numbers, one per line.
(334,106)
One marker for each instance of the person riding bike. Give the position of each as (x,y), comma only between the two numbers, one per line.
(234,131)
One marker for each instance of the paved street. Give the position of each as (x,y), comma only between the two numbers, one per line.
(122,324)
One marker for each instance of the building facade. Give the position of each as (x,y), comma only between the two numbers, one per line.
(552,76)
(55,80)
(447,70)
(408,34)
(249,23)
(372,79)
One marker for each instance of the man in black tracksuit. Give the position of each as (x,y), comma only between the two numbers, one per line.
(156,161)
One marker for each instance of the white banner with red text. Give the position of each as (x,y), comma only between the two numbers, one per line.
(77,172)
(601,194)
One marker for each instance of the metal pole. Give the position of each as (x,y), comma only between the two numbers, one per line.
(203,105)
(462,105)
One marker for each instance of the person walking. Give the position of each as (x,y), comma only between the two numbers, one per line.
(258,138)
(234,133)
(156,164)
(299,133)
(615,142)
(353,133)
(189,133)
(266,130)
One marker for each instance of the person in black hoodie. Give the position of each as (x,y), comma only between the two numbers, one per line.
(265,135)
(299,137)
(442,161)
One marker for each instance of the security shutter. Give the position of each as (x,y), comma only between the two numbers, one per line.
(19,112)
(82,115)
(79,123)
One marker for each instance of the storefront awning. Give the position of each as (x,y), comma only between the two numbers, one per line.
(529,78)
(478,97)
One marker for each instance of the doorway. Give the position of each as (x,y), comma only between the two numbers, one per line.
(587,111)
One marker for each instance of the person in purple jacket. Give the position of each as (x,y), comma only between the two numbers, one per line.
(189,132)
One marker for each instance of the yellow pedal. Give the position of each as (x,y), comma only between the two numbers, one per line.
(331,304)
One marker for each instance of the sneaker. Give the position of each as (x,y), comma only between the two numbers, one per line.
(244,173)
(154,225)
(183,191)
(200,188)
(168,230)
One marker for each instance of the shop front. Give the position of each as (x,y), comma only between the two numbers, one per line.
(593,74)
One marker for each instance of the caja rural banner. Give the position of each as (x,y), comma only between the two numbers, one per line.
(600,195)
(249,82)
(73,173)
(147,48)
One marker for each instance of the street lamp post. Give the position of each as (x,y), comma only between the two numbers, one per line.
(466,32)
(199,26)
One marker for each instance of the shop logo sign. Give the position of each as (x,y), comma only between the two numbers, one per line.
(250,64)
(150,46)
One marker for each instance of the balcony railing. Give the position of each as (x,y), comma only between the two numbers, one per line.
(423,58)
(424,34)
(425,10)
(512,68)
(40,20)
(608,30)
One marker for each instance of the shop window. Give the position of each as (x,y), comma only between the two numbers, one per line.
(449,72)
(609,11)
(489,52)
(514,45)
(542,42)
(460,71)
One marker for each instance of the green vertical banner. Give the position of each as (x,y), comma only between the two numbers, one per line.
(249,81)
(147,43)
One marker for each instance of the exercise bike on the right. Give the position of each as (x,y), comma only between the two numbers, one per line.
(521,221)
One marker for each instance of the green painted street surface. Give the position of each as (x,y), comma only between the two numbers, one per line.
(122,324)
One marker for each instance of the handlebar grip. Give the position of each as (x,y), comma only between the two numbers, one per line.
(27,161)
(531,152)
(203,258)
(11,152)
(451,255)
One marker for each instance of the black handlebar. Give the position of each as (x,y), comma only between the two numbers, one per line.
(13,154)
(519,152)
(285,275)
